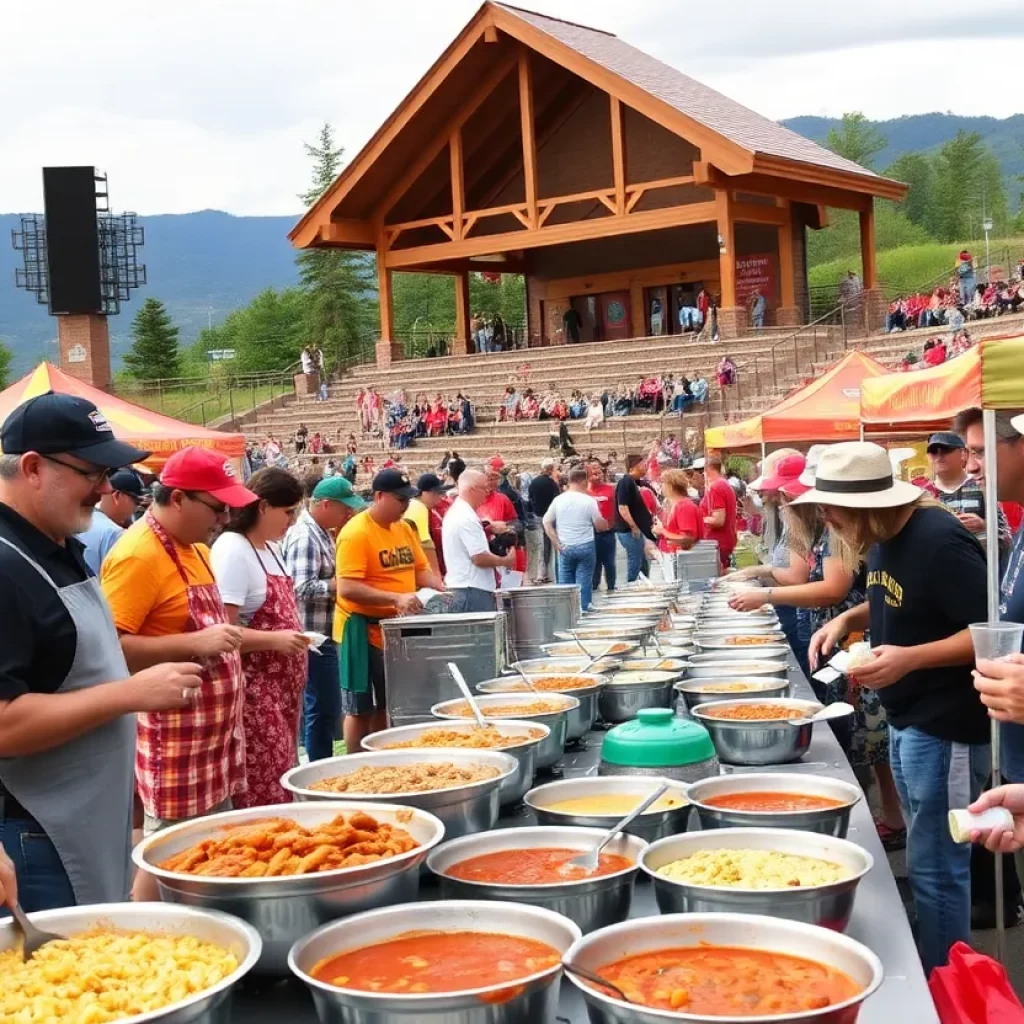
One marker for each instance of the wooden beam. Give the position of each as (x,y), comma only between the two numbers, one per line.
(529,134)
(797,191)
(460,345)
(797,170)
(428,155)
(752,213)
(303,234)
(787,269)
(554,234)
(458,182)
(490,34)
(867,249)
(726,247)
(352,232)
(618,155)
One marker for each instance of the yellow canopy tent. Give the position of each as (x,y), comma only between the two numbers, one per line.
(827,409)
(150,430)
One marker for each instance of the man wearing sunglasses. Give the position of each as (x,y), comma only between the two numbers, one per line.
(67,702)
(112,516)
(167,606)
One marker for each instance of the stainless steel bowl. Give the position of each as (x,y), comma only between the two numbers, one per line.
(550,750)
(573,648)
(677,666)
(591,903)
(768,653)
(700,691)
(627,630)
(829,821)
(521,747)
(285,908)
(211,1005)
(621,610)
(530,999)
(624,694)
(745,930)
(710,666)
(683,651)
(829,905)
(649,826)
(473,807)
(719,641)
(570,665)
(767,742)
(581,719)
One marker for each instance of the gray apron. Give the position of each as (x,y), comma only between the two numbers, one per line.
(81,792)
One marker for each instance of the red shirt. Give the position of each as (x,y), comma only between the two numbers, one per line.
(497,509)
(684,518)
(604,494)
(720,495)
(650,500)
(1014,514)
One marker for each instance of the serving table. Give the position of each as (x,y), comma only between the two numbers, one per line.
(878,917)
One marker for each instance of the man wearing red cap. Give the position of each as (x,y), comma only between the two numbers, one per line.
(167,607)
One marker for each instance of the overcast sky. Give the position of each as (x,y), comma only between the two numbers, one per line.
(206,103)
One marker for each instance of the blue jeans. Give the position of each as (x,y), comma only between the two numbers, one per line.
(604,544)
(43,883)
(634,547)
(576,565)
(322,702)
(932,777)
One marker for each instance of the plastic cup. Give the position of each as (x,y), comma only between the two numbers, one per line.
(962,823)
(995,640)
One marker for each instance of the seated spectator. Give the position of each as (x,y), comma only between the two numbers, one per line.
(682,395)
(529,407)
(699,390)
(896,318)
(595,414)
(561,409)
(726,372)
(577,405)
(649,393)
(622,402)
(934,352)
(960,344)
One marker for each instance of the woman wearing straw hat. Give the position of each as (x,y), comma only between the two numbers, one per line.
(926,583)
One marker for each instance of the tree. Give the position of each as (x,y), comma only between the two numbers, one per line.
(856,139)
(154,352)
(337,285)
(968,186)
(915,170)
(6,358)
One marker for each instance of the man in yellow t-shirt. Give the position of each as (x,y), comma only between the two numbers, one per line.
(380,566)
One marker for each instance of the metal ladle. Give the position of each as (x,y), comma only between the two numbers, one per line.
(595,979)
(34,937)
(460,682)
(588,859)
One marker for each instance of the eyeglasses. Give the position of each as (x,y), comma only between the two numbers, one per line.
(94,476)
(220,509)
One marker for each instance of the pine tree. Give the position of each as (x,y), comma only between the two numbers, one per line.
(154,352)
(856,138)
(337,284)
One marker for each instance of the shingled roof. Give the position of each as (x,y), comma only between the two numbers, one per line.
(720,114)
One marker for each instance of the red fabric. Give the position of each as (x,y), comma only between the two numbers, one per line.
(973,989)
(605,497)
(720,495)
(935,356)
(1014,514)
(684,518)
(650,500)
(497,509)
(274,684)
(189,761)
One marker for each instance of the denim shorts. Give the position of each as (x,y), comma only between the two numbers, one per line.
(373,698)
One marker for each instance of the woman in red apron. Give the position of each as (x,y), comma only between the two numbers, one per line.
(258,594)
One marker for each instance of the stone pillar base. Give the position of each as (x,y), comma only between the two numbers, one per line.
(84,343)
(460,346)
(873,307)
(306,384)
(732,321)
(388,352)
(787,316)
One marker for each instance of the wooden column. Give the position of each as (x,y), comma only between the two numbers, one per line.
(618,157)
(460,343)
(529,138)
(458,183)
(388,350)
(869,273)
(732,320)
(787,315)
(637,310)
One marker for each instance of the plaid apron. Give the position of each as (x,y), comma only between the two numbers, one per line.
(189,761)
(274,684)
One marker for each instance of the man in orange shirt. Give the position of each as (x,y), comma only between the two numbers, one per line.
(381,565)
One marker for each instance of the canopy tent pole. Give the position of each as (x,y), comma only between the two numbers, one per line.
(992,565)
(764,453)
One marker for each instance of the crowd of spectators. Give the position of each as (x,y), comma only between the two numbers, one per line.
(400,421)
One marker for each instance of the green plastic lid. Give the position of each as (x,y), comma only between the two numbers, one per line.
(657,738)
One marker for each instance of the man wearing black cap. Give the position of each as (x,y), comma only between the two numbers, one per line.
(424,515)
(381,565)
(112,516)
(67,702)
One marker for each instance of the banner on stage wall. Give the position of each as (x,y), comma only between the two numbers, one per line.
(755,273)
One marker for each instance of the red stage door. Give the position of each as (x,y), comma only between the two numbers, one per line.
(615,321)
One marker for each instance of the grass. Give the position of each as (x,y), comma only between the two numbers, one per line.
(909,267)
(200,406)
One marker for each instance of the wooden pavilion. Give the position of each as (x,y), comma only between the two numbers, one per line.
(616,184)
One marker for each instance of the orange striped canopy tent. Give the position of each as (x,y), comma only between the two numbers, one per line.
(150,430)
(827,409)
(989,376)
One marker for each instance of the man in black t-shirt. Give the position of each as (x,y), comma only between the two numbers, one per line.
(544,488)
(635,525)
(926,583)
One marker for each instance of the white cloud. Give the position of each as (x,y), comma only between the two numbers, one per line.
(206,103)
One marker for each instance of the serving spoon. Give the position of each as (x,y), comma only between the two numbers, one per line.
(588,859)
(840,709)
(593,661)
(525,678)
(595,979)
(460,682)
(34,938)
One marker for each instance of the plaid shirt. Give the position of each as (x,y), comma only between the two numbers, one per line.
(969,499)
(309,558)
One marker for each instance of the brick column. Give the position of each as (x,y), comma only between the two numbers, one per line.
(84,343)
(873,308)
(787,316)
(388,352)
(732,322)
(306,384)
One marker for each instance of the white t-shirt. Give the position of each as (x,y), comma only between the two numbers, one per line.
(238,570)
(573,514)
(462,536)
